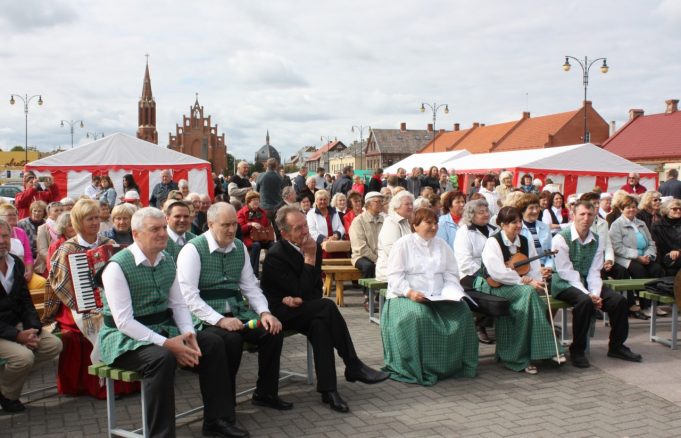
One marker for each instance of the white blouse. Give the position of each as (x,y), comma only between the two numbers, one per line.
(494,261)
(426,266)
(548,220)
(468,247)
(394,227)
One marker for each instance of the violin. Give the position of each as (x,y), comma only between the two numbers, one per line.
(520,263)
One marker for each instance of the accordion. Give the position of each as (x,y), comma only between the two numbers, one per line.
(84,266)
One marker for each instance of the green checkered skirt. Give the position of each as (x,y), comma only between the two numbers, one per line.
(424,343)
(525,335)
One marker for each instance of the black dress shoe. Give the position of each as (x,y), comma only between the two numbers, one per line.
(271,401)
(483,337)
(334,400)
(366,375)
(625,353)
(12,406)
(580,361)
(224,429)
(639,315)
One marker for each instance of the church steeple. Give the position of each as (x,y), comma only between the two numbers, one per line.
(267,138)
(146,111)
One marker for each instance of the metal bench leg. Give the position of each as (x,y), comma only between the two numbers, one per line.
(563,326)
(310,363)
(110,406)
(145,424)
(675,315)
(372,308)
(653,320)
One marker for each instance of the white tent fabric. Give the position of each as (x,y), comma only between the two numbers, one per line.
(576,168)
(117,155)
(426,160)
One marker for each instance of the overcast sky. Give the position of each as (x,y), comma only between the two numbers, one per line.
(305,69)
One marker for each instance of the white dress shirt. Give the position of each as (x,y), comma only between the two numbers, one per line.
(7,280)
(468,246)
(188,273)
(117,293)
(567,272)
(176,237)
(493,259)
(426,266)
(394,227)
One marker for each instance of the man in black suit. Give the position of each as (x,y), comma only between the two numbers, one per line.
(292,283)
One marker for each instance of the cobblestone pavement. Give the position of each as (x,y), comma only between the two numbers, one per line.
(610,399)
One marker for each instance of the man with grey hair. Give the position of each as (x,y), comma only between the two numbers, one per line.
(183,186)
(214,271)
(364,237)
(633,186)
(160,192)
(152,336)
(239,184)
(269,186)
(23,343)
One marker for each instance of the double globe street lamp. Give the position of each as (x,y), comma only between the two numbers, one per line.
(586,66)
(72,124)
(27,100)
(434,108)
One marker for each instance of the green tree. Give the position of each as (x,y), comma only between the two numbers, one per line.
(17,148)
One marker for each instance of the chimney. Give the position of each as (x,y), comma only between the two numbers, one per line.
(441,130)
(672,106)
(476,124)
(613,127)
(403,126)
(430,127)
(634,113)
(526,114)
(482,124)
(456,126)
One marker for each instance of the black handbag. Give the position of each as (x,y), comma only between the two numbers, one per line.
(663,285)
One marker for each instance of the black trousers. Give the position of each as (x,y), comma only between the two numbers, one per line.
(157,366)
(582,313)
(269,354)
(366,267)
(322,323)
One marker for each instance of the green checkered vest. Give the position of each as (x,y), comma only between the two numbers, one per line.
(219,278)
(174,249)
(149,289)
(581,257)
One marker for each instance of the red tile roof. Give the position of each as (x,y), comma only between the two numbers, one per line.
(318,153)
(445,141)
(482,139)
(657,136)
(533,132)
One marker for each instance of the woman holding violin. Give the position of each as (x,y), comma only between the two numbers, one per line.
(525,335)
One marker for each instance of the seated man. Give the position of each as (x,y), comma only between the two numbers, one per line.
(364,236)
(179,222)
(154,336)
(292,282)
(577,280)
(214,270)
(23,343)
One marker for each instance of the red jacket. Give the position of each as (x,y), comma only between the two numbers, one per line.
(635,190)
(23,200)
(246,215)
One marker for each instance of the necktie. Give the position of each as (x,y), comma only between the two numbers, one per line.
(180,241)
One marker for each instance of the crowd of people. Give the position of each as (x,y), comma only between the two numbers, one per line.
(190,278)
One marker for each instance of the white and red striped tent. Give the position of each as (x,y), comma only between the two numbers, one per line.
(116,155)
(576,169)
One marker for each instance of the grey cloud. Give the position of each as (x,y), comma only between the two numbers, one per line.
(27,15)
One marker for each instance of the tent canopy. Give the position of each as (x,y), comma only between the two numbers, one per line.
(426,160)
(116,155)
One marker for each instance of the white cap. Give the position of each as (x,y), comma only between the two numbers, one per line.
(372,195)
(606,195)
(537,182)
(131,196)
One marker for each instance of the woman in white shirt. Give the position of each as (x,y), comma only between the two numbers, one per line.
(556,216)
(470,239)
(323,221)
(491,196)
(395,225)
(425,338)
(525,335)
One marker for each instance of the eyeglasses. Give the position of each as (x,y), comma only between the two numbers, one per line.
(675,209)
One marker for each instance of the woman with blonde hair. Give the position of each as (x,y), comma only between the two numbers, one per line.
(649,208)
(21,246)
(121,233)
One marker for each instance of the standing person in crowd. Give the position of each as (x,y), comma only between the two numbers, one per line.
(453,178)
(604,205)
(667,236)
(672,186)
(396,224)
(402,177)
(415,181)
(556,216)
(178,220)
(121,233)
(214,271)
(299,180)
(200,222)
(649,208)
(309,189)
(30,226)
(305,205)
(94,189)
(21,246)
(391,183)
(183,186)
(129,184)
(445,184)
(108,193)
(79,330)
(251,217)
(491,195)
(633,186)
(239,184)
(105,223)
(577,280)
(432,179)
(506,185)
(160,192)
(527,185)
(269,187)
(340,202)
(23,343)
(525,335)
(364,233)
(320,181)
(344,183)
(448,224)
(376,181)
(47,233)
(544,201)
(153,337)
(285,179)
(475,187)
(34,191)
(426,341)
(358,185)
(253,180)
(323,220)
(355,202)
(329,181)
(292,283)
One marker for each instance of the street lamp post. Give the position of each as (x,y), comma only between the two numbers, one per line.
(586,66)
(328,152)
(434,108)
(72,125)
(361,129)
(26,101)
(94,135)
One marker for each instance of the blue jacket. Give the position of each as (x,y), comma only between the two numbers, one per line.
(447,229)
(545,238)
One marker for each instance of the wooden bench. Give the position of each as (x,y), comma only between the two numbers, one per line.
(373,288)
(337,262)
(38,298)
(655,300)
(339,274)
(111,374)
